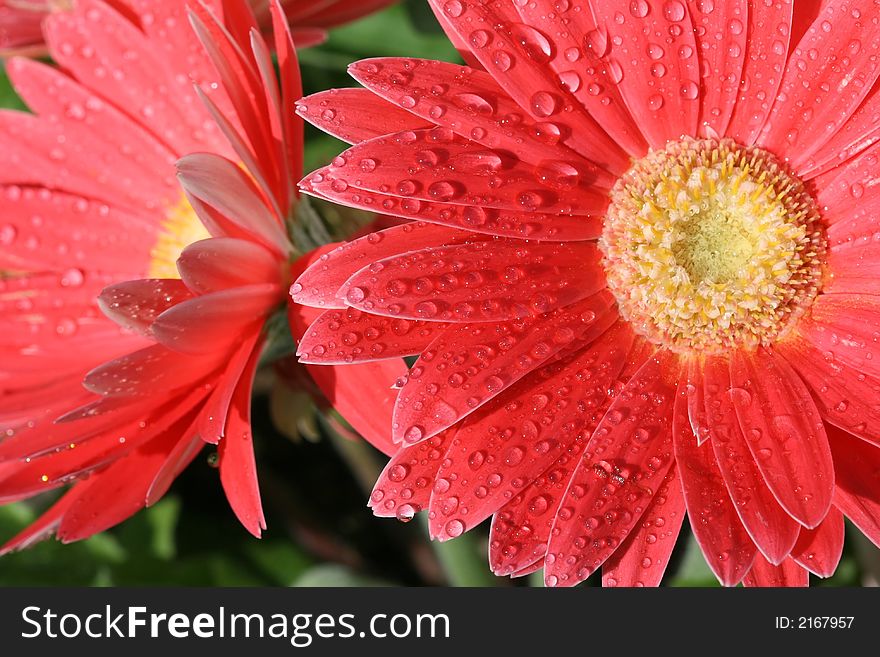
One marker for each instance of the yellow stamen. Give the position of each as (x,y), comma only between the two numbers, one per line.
(710,245)
(180,228)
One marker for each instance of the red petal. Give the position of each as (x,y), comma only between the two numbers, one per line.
(225,187)
(437,165)
(355,115)
(486,359)
(724,542)
(89,40)
(766,49)
(788,573)
(856,464)
(844,396)
(642,558)
(317,286)
(135,305)
(516,437)
(238,470)
(580,69)
(404,487)
(814,78)
(667,106)
(521,528)
(843,326)
(476,218)
(114,494)
(772,529)
(339,337)
(623,465)
(465,100)
(722,38)
(44,229)
(42,528)
(211,425)
(849,198)
(152,369)
(464,282)
(521,69)
(364,395)
(212,322)
(225,262)
(785,433)
(819,550)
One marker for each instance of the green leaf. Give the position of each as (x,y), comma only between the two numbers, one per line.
(8,97)
(693,571)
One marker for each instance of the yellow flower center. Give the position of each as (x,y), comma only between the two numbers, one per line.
(710,245)
(180,228)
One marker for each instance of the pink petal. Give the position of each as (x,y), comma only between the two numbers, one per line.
(788,573)
(225,262)
(766,50)
(33,148)
(213,322)
(666,106)
(238,470)
(318,284)
(856,464)
(338,337)
(772,529)
(521,69)
(355,115)
(145,79)
(462,283)
(642,558)
(57,240)
(135,305)
(724,542)
(439,166)
(517,436)
(817,78)
(784,432)
(486,359)
(845,397)
(404,487)
(622,467)
(491,221)
(819,550)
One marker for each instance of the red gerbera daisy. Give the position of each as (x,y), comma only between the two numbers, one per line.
(639,281)
(21,20)
(92,199)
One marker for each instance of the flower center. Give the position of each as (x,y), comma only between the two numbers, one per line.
(710,245)
(180,228)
